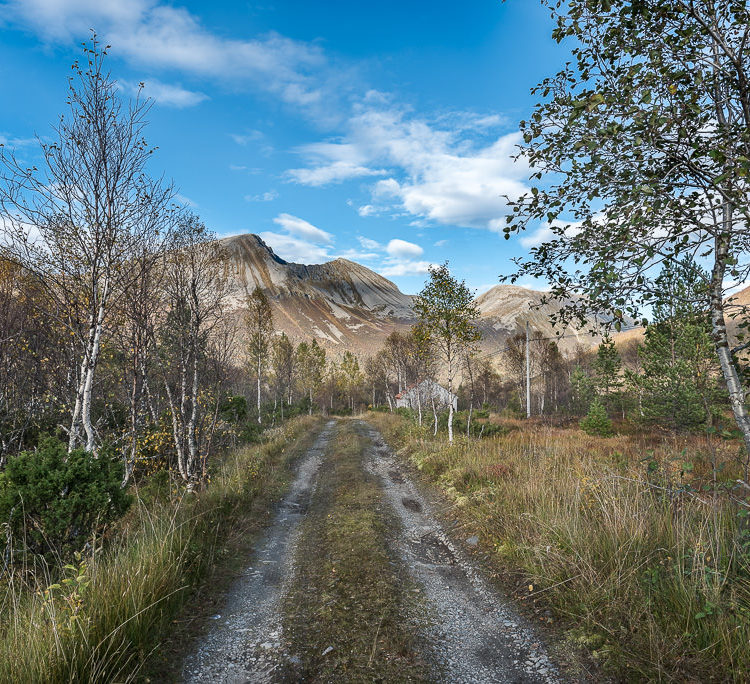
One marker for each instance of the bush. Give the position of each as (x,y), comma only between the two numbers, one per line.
(478,428)
(513,408)
(597,421)
(233,409)
(54,501)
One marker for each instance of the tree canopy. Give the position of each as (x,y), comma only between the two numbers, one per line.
(643,144)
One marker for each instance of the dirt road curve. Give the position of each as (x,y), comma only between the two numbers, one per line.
(470,632)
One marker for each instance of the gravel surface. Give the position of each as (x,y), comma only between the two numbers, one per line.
(244,644)
(477,636)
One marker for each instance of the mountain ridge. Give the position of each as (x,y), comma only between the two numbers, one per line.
(341,303)
(345,305)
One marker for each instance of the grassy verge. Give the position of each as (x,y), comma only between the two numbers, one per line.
(107,617)
(349,593)
(653,580)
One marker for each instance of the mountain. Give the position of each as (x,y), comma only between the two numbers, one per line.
(505,309)
(344,305)
(736,303)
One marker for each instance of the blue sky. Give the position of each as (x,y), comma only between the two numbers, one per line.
(380,132)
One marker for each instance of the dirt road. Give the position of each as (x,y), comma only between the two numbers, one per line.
(306,609)
(244,644)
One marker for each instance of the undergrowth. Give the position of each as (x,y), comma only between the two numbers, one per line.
(103,617)
(645,559)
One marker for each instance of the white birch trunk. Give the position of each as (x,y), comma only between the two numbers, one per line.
(176,433)
(192,423)
(721,340)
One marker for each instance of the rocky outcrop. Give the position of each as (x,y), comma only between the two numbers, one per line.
(344,305)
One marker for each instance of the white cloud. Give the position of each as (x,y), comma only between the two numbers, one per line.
(302,241)
(405,268)
(293,249)
(357,255)
(335,172)
(332,162)
(166,94)
(17,142)
(402,249)
(268,196)
(366,210)
(246,138)
(185,201)
(367,243)
(160,35)
(441,243)
(439,172)
(544,233)
(303,229)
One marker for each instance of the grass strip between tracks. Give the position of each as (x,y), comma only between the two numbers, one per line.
(347,612)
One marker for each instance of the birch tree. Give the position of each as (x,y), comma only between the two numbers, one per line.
(352,377)
(139,310)
(75,223)
(446,311)
(643,142)
(259,323)
(195,289)
(311,362)
(283,366)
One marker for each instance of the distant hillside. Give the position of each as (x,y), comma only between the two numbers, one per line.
(734,302)
(506,308)
(345,305)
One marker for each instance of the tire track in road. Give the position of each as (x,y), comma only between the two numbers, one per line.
(475,633)
(245,644)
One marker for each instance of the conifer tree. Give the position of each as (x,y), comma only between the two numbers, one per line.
(582,391)
(679,378)
(607,373)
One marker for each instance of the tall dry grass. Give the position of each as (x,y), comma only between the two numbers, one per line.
(107,611)
(626,536)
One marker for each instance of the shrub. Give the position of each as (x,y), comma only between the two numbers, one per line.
(478,427)
(597,421)
(233,409)
(54,501)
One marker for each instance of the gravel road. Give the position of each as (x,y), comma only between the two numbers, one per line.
(477,636)
(244,644)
